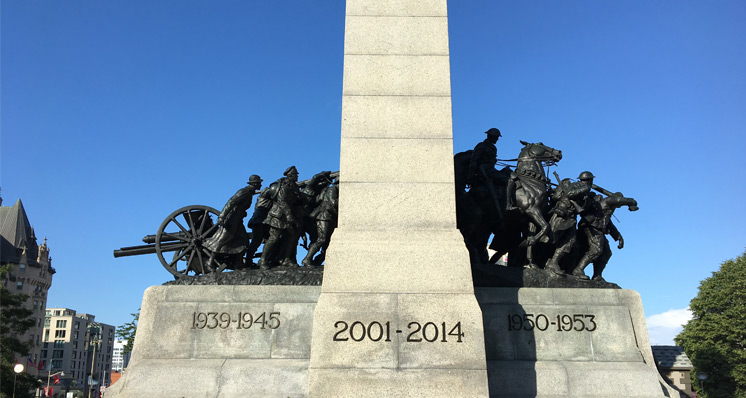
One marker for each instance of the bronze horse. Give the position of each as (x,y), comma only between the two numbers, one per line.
(482,210)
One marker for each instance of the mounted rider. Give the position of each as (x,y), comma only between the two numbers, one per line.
(484,158)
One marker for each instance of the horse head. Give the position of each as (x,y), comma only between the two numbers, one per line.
(540,152)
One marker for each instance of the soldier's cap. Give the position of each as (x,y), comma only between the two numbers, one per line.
(289,170)
(586,175)
(493,132)
(255,179)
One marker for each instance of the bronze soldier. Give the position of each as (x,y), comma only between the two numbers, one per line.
(283,219)
(595,223)
(325,215)
(484,158)
(569,199)
(231,237)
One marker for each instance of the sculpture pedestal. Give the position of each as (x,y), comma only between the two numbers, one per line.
(568,343)
(221,341)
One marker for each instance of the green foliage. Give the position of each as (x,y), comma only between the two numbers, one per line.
(15,320)
(127,332)
(715,338)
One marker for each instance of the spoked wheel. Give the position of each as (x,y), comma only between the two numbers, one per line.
(184,233)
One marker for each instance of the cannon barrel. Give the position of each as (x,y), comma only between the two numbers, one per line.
(148,249)
(151,238)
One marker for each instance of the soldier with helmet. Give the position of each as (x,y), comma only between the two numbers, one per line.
(325,216)
(283,220)
(595,223)
(484,157)
(569,199)
(231,237)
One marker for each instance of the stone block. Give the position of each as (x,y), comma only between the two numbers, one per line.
(440,331)
(264,378)
(397,75)
(397,261)
(223,337)
(168,333)
(397,206)
(293,341)
(396,160)
(396,117)
(169,378)
(567,343)
(397,7)
(396,35)
(612,379)
(366,383)
(208,341)
(518,379)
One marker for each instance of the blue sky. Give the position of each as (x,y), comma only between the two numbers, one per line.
(116,113)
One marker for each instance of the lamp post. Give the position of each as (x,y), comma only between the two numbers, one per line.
(49,376)
(94,341)
(16,369)
(702,376)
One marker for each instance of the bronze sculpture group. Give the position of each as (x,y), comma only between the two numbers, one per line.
(285,212)
(528,217)
(558,227)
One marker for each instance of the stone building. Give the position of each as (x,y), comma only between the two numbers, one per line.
(69,342)
(30,274)
(675,367)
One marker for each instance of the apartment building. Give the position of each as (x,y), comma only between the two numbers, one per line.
(79,346)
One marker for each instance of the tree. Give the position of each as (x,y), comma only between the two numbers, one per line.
(15,320)
(715,337)
(127,332)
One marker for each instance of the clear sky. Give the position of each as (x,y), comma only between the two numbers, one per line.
(115,113)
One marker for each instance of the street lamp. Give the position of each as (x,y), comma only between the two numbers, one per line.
(49,376)
(702,376)
(93,341)
(17,369)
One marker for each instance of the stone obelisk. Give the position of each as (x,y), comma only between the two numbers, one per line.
(397,314)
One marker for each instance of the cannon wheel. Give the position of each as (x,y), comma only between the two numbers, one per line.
(190,225)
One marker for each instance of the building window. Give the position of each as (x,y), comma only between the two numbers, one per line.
(57,353)
(57,313)
(59,343)
(43,353)
(22,266)
(75,335)
(77,325)
(46,335)
(62,323)
(19,285)
(46,322)
(39,323)
(59,333)
(75,345)
(56,363)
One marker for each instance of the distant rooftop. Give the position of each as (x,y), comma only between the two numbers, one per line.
(16,234)
(671,357)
